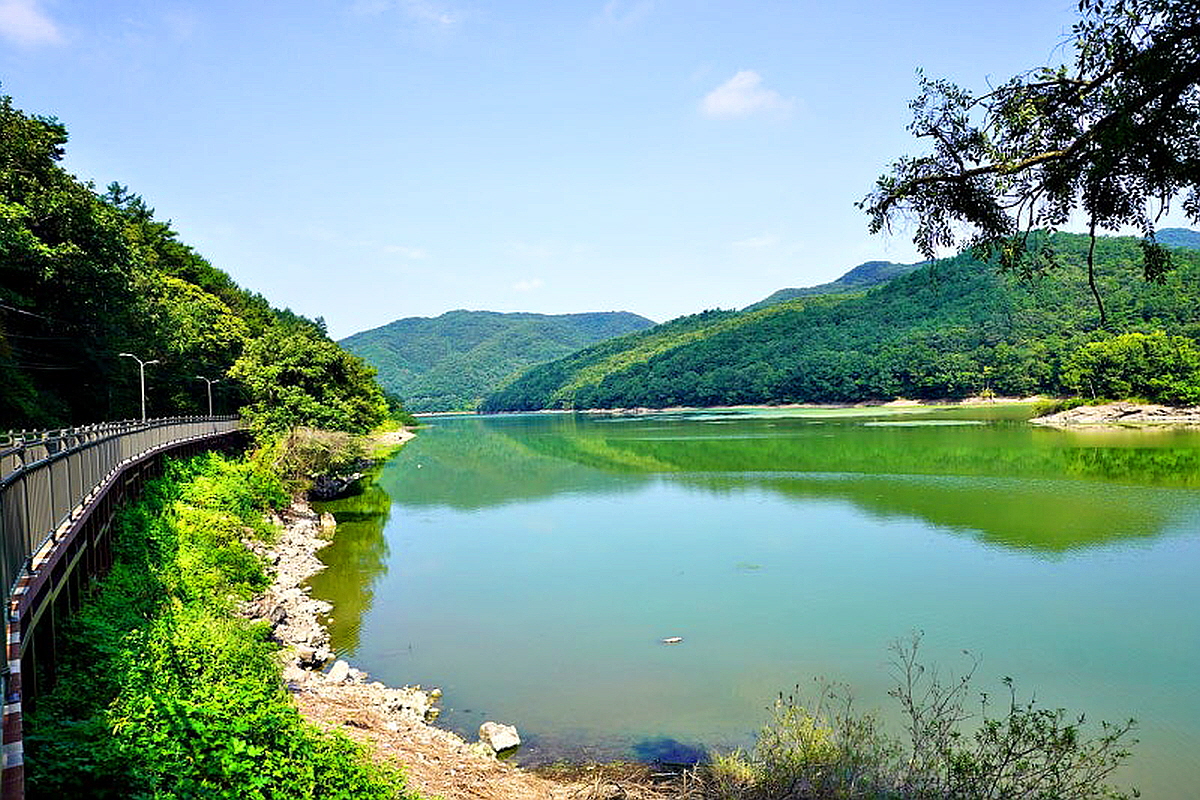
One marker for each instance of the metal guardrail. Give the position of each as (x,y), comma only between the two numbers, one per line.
(48,477)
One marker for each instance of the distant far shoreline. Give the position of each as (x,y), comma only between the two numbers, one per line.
(899,402)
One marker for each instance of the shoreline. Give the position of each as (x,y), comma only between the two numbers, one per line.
(1117,414)
(1121,415)
(394,723)
(899,402)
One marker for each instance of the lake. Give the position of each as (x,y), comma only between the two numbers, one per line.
(530,566)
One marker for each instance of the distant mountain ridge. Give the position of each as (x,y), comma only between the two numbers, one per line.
(955,329)
(1179,237)
(862,277)
(450,362)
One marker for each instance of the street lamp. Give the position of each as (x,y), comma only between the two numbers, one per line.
(142,371)
(210,382)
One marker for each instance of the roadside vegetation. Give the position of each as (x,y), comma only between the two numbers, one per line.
(163,690)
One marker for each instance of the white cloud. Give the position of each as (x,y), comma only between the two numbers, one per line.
(407,252)
(758,242)
(419,10)
(182,24)
(431,12)
(529,284)
(741,96)
(25,23)
(625,12)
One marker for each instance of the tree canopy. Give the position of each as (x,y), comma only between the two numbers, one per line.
(296,376)
(1114,137)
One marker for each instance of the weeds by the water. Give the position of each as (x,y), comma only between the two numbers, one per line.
(823,748)
(304,453)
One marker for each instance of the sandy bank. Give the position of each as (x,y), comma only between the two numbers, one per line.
(393,438)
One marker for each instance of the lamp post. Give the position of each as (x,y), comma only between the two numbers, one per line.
(210,382)
(142,372)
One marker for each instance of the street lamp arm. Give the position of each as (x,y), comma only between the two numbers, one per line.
(142,376)
(209,382)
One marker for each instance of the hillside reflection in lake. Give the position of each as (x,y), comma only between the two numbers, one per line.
(530,564)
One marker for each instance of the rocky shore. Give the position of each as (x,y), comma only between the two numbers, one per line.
(393,722)
(1122,414)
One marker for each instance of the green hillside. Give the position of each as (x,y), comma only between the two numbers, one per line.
(449,363)
(953,329)
(862,277)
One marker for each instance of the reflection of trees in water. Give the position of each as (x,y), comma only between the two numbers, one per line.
(1015,484)
(475,463)
(355,561)
(1040,515)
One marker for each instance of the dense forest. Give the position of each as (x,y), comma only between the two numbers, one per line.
(954,328)
(450,362)
(87,275)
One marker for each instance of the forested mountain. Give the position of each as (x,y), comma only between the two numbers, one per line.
(954,328)
(86,276)
(449,363)
(1179,237)
(861,278)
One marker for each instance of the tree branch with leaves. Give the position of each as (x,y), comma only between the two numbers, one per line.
(1115,137)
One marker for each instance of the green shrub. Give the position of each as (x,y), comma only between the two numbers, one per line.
(1047,406)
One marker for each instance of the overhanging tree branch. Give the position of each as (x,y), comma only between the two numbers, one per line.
(1120,133)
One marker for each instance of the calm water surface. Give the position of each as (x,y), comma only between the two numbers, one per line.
(530,565)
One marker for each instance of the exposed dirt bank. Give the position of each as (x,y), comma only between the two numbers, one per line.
(1122,414)
(393,438)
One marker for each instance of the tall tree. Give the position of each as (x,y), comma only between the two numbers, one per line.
(1116,137)
(294,375)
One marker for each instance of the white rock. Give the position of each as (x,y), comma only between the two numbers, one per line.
(338,672)
(499,737)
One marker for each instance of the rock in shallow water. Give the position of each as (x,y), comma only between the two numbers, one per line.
(338,672)
(499,737)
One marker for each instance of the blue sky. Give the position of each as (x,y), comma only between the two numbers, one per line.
(366,160)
